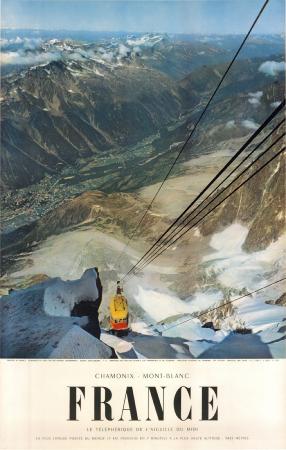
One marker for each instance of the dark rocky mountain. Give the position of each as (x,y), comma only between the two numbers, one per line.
(82,110)
(85,99)
(259,204)
(54,114)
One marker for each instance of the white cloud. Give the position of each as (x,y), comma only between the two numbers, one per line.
(21,58)
(272,68)
(275,104)
(254,101)
(27,43)
(254,97)
(137,50)
(250,124)
(123,50)
(230,124)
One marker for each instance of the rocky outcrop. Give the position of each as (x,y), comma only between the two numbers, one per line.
(280,301)
(117,213)
(40,321)
(77,344)
(54,114)
(259,204)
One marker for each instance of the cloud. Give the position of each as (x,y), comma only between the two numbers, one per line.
(28,58)
(254,97)
(272,68)
(18,42)
(275,104)
(254,101)
(123,50)
(39,56)
(137,50)
(34,51)
(230,124)
(250,124)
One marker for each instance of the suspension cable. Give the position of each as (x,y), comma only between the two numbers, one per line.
(216,206)
(197,316)
(196,124)
(235,156)
(218,195)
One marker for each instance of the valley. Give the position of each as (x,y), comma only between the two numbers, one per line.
(89,131)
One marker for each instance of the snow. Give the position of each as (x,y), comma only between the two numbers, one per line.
(77,344)
(259,315)
(197,232)
(26,330)
(178,337)
(68,255)
(274,338)
(250,124)
(98,73)
(146,41)
(119,345)
(62,296)
(202,300)
(142,328)
(160,305)
(227,243)
(236,268)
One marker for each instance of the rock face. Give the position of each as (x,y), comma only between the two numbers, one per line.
(54,114)
(35,322)
(260,204)
(116,213)
(61,297)
(95,99)
(77,344)
(280,301)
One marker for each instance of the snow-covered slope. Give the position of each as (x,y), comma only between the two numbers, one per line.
(36,322)
(233,273)
(61,297)
(77,344)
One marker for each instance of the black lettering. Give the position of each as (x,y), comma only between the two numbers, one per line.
(129,396)
(178,403)
(98,402)
(74,402)
(207,402)
(156,402)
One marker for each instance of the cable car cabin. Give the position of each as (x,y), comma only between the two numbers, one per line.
(118,320)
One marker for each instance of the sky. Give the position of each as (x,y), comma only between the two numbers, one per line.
(170,16)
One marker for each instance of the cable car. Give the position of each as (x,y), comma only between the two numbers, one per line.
(118,308)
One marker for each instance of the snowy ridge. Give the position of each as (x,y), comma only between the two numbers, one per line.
(62,296)
(35,52)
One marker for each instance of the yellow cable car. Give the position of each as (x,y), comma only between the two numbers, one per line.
(118,308)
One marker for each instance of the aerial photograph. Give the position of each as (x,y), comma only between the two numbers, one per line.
(143,179)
